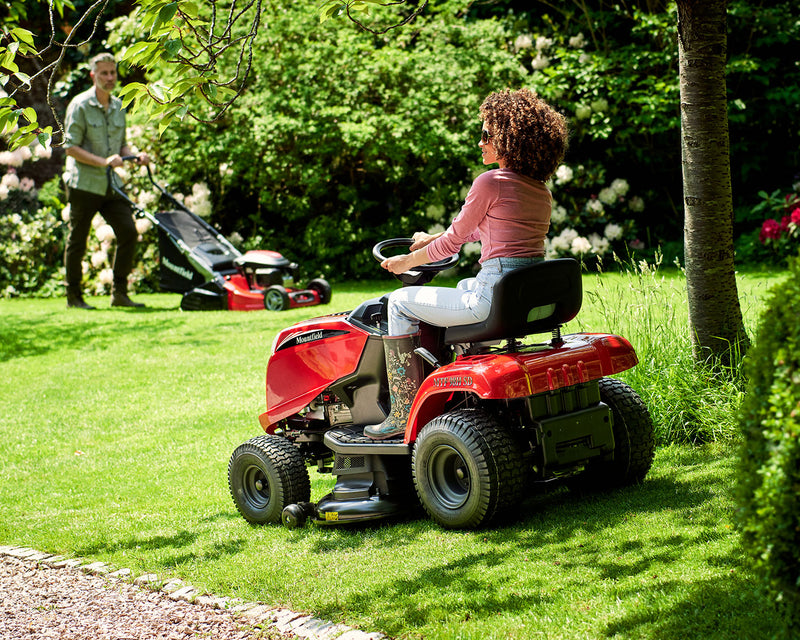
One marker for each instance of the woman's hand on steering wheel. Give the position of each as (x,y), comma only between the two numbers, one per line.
(400,263)
(422,239)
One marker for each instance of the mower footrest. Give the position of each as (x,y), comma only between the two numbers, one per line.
(352,441)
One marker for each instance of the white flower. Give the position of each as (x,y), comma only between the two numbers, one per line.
(563,241)
(523,42)
(146,198)
(620,186)
(26,184)
(599,244)
(65,213)
(595,206)
(143,225)
(236,239)
(580,245)
(563,174)
(200,200)
(10,180)
(99,258)
(558,216)
(97,221)
(471,249)
(543,43)
(607,196)
(584,58)
(106,276)
(613,231)
(3,192)
(42,153)
(576,42)
(435,212)
(583,112)
(225,170)
(636,204)
(599,105)
(540,62)
(12,158)
(104,232)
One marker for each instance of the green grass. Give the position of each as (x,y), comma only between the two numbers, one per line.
(116,428)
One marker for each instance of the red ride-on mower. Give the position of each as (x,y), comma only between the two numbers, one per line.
(199,262)
(496,414)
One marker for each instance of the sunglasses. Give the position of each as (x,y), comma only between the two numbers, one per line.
(485,136)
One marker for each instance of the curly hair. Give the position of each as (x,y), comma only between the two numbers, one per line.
(527,133)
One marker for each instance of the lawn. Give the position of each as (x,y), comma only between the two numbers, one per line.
(116,427)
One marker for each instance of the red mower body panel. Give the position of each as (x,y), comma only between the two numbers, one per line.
(580,358)
(307,358)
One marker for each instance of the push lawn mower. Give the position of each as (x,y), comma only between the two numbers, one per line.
(199,262)
(495,415)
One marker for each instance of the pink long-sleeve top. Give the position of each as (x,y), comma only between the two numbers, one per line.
(509,213)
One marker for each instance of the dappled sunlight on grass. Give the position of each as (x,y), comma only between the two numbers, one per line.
(115,439)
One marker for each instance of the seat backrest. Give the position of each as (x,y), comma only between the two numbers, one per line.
(534,299)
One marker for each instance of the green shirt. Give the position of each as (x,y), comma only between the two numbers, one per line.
(97,130)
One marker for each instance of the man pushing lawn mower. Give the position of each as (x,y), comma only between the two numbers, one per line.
(94,140)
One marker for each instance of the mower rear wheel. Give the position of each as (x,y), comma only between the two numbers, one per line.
(265,475)
(276,298)
(634,441)
(467,470)
(323,289)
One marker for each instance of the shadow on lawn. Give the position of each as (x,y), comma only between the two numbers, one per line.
(724,607)
(174,549)
(20,336)
(563,539)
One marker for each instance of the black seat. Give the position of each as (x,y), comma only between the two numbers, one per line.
(534,299)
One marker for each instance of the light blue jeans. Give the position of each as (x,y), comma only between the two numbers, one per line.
(469,302)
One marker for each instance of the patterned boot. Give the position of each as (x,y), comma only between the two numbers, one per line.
(404,370)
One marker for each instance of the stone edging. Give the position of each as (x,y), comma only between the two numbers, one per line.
(288,622)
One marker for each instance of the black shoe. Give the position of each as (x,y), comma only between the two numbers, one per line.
(75,301)
(122,300)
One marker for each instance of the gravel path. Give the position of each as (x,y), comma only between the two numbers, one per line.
(49,598)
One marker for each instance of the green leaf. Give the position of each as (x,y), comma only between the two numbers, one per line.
(23,35)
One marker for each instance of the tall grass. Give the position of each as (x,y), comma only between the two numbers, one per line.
(690,402)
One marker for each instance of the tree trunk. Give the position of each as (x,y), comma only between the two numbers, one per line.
(715,317)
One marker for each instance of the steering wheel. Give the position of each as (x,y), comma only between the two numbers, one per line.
(419,275)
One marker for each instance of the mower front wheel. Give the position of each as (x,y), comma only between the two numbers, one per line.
(265,475)
(323,289)
(466,469)
(276,298)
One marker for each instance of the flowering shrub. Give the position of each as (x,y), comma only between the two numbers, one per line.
(591,221)
(782,236)
(33,228)
(32,235)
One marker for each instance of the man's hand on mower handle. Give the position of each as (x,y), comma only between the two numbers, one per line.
(117,160)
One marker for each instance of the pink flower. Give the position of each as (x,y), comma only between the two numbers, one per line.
(770,230)
(795,217)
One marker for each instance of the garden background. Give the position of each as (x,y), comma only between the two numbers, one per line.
(343,138)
